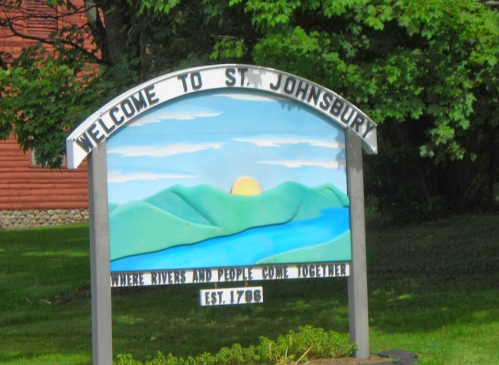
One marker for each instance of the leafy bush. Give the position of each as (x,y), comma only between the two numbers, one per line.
(306,344)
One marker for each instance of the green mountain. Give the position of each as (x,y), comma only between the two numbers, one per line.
(182,215)
(333,192)
(112,207)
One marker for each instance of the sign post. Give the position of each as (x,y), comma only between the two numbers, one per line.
(357,281)
(102,350)
(225,173)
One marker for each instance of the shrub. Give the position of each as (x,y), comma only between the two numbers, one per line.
(306,344)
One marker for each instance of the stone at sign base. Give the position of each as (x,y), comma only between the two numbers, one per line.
(401,357)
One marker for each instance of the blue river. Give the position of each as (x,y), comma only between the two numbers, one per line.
(245,248)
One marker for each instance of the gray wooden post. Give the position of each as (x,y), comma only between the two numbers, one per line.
(357,282)
(102,351)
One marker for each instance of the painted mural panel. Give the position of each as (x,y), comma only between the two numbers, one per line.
(227,178)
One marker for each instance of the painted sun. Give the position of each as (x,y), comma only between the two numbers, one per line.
(246,185)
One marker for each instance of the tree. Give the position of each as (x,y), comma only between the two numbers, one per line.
(425,70)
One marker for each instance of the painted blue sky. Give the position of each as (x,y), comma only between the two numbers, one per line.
(216,137)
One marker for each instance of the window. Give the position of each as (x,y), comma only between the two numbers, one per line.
(34,163)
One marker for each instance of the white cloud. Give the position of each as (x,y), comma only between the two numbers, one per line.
(116,177)
(163,151)
(277,142)
(303,163)
(251,97)
(180,115)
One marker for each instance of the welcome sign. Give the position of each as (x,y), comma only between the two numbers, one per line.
(204,177)
(221,174)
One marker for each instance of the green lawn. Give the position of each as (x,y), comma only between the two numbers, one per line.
(433,289)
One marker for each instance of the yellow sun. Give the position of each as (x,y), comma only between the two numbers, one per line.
(246,185)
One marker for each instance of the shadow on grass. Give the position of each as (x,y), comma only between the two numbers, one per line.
(171,321)
(37,265)
(414,312)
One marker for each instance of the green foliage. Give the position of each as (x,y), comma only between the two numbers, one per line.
(44,96)
(306,344)
(229,49)
(309,342)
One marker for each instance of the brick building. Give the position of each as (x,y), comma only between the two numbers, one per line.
(30,195)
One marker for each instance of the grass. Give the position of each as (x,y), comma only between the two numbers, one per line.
(433,289)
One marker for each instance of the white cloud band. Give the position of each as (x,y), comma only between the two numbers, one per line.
(163,151)
(303,163)
(116,177)
(277,142)
(251,97)
(181,115)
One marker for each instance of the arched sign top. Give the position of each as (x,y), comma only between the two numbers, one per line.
(119,111)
